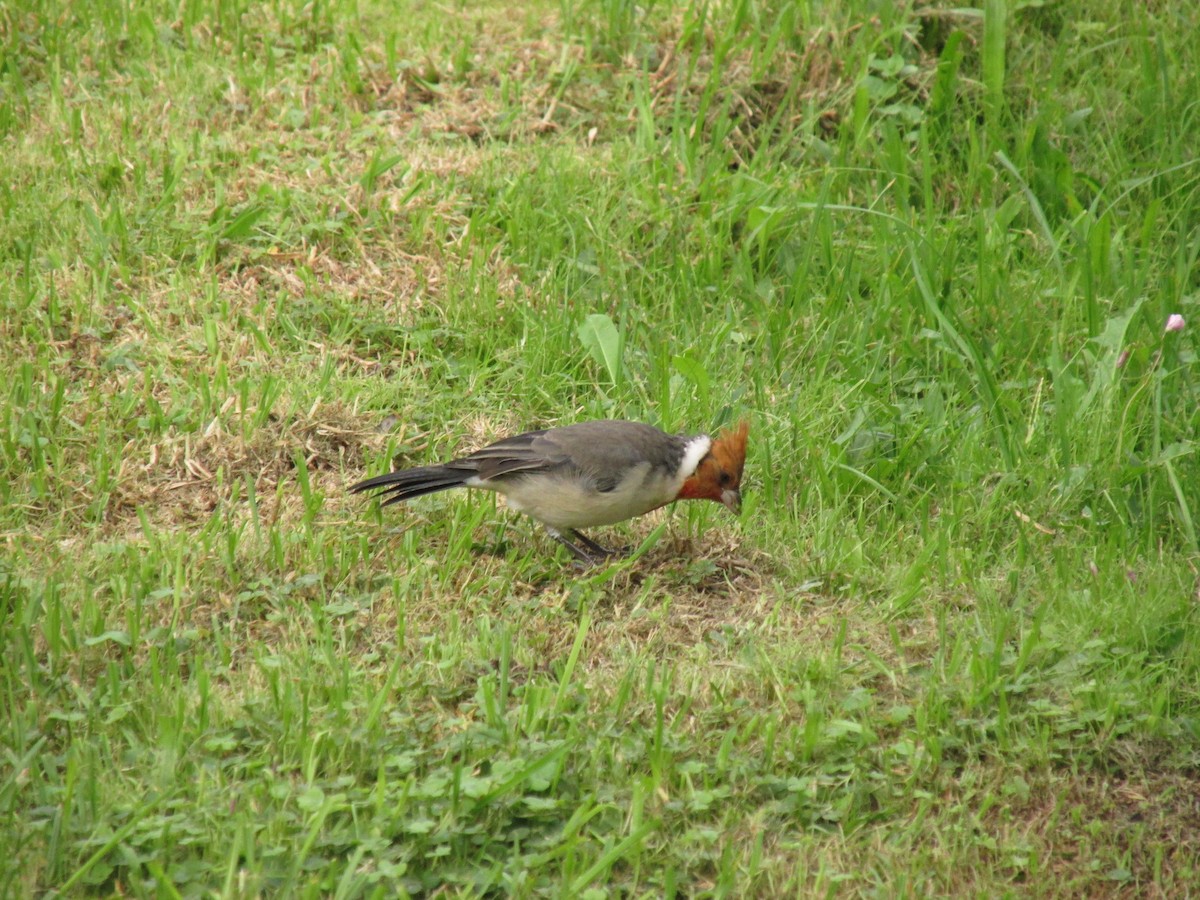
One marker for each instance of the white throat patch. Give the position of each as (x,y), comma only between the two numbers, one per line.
(694,451)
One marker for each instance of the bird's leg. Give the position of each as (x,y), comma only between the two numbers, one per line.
(594,548)
(580,553)
(583,548)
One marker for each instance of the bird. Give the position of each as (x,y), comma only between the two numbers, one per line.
(585,475)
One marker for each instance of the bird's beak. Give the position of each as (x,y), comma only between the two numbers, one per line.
(733,500)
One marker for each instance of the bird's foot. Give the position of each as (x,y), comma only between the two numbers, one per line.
(586,551)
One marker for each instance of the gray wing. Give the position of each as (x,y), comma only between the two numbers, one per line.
(527,453)
(602,452)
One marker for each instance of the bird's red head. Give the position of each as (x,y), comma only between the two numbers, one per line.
(719,475)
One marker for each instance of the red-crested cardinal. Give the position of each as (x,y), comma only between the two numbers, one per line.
(592,473)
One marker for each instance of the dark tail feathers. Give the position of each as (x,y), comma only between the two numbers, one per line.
(409,483)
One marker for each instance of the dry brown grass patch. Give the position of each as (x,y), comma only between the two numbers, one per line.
(185,476)
(396,285)
(1149,818)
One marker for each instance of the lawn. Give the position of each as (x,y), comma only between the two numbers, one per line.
(946,260)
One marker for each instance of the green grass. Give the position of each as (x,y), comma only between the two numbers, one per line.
(251,252)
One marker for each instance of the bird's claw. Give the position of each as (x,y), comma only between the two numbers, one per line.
(587,552)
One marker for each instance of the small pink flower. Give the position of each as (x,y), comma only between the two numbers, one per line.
(1175,322)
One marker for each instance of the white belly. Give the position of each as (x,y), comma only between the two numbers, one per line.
(564,503)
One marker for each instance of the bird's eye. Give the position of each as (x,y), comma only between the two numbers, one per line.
(724,479)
